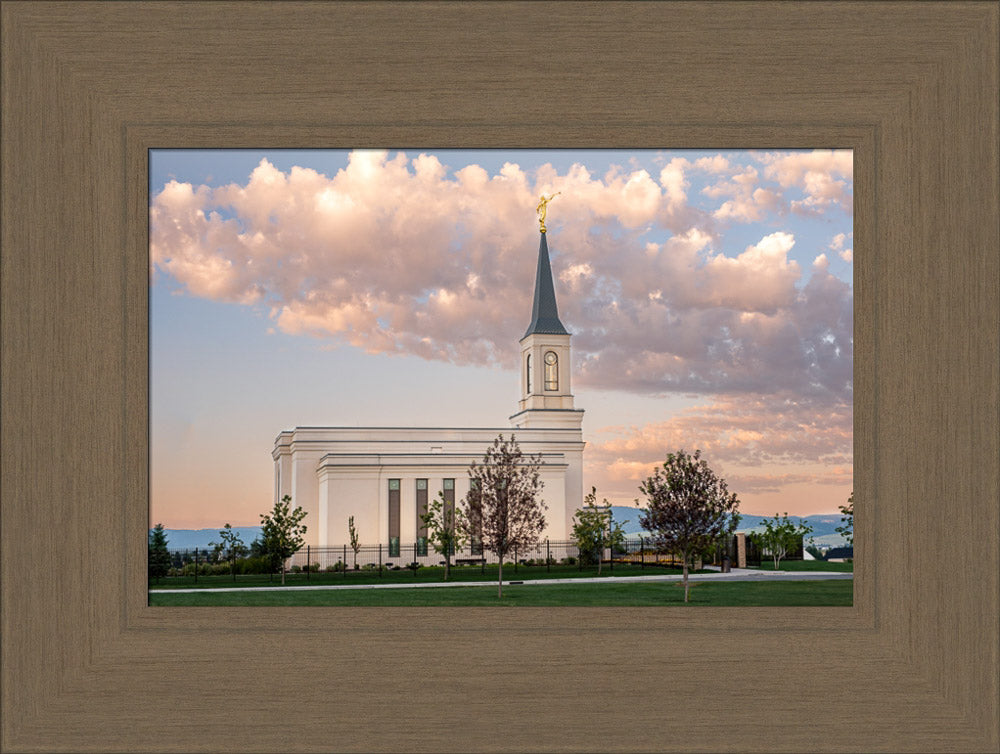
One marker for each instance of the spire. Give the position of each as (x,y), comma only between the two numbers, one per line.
(544,314)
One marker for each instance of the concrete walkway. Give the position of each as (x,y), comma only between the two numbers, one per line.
(737,574)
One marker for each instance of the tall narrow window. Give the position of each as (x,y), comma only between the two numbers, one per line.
(393,518)
(449,505)
(527,368)
(551,371)
(476,540)
(421,511)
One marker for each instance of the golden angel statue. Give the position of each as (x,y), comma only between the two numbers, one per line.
(540,209)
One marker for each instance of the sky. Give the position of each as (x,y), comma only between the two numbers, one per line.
(709,294)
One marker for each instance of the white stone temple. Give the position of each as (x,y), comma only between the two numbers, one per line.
(384,476)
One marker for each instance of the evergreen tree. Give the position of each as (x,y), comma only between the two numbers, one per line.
(159,556)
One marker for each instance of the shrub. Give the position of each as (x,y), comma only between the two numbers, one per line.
(314,568)
(369,567)
(568,560)
(296,569)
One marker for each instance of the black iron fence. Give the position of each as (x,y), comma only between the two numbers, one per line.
(636,552)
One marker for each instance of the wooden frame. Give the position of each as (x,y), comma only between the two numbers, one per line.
(88,87)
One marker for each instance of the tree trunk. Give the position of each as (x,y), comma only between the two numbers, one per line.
(282,572)
(685,577)
(500,579)
(447,565)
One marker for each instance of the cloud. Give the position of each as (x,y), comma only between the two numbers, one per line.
(736,435)
(400,254)
(825,177)
(750,202)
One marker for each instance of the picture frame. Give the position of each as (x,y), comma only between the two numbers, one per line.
(90,88)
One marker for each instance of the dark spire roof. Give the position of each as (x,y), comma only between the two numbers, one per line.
(544,314)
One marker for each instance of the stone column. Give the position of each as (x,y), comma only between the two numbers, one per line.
(741,550)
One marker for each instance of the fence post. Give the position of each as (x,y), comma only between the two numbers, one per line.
(379,559)
(415,560)
(548,556)
(515,560)
(195,565)
(642,555)
(308,563)
(345,561)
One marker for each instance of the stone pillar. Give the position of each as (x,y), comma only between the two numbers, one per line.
(741,550)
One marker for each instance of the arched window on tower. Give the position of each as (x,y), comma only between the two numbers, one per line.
(527,368)
(551,371)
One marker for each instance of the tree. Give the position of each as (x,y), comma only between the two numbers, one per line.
(217,554)
(159,556)
(355,542)
(502,509)
(781,535)
(847,530)
(690,507)
(594,529)
(282,533)
(444,529)
(234,547)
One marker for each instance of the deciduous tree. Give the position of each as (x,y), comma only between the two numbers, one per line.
(444,529)
(689,507)
(282,532)
(234,547)
(355,541)
(594,529)
(503,510)
(847,519)
(781,535)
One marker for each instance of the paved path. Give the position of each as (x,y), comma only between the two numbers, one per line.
(737,574)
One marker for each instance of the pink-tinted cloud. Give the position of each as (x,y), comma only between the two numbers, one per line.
(744,438)
(398,254)
(825,176)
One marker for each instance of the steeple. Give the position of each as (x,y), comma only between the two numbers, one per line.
(544,312)
(546,396)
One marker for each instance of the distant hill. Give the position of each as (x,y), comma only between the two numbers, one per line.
(188,539)
(824,529)
(824,525)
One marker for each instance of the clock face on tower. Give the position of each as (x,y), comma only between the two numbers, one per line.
(551,371)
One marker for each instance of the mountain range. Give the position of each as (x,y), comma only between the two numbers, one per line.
(824,525)
(824,529)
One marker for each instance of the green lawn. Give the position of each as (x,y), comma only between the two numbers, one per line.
(807,565)
(403,576)
(729,594)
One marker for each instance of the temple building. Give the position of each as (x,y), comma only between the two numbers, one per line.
(384,476)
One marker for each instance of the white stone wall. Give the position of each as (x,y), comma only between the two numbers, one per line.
(334,473)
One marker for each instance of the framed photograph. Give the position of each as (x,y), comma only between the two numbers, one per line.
(350,348)
(90,89)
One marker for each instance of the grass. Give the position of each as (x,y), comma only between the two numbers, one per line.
(807,565)
(728,594)
(403,576)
